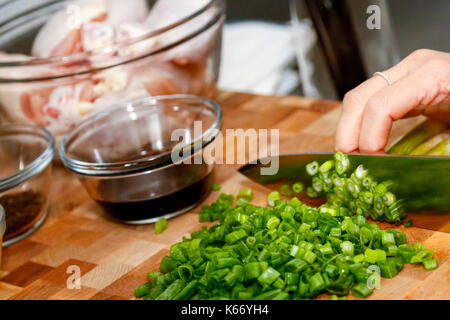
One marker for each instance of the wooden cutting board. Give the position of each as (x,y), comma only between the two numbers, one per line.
(114,258)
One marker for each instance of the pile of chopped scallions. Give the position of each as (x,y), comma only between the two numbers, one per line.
(291,250)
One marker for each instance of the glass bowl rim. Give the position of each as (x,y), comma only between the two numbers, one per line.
(35,166)
(144,163)
(2,221)
(73,58)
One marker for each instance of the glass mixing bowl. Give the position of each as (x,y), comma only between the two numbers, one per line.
(58,92)
(26,153)
(146,159)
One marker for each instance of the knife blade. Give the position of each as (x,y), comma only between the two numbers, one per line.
(421,182)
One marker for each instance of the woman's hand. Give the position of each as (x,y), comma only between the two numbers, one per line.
(420,85)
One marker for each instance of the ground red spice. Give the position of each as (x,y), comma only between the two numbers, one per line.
(22,209)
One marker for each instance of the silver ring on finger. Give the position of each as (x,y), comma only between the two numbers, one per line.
(384,76)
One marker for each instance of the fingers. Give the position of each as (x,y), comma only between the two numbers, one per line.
(347,134)
(349,128)
(353,105)
(439,112)
(429,85)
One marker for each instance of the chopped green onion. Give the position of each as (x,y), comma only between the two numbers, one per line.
(361,290)
(316,283)
(290,250)
(235,275)
(312,168)
(367,182)
(185,272)
(155,292)
(317,184)
(388,268)
(268,295)
(347,248)
(285,190)
(430,264)
(296,265)
(246,193)
(251,271)
(361,172)
(167,264)
(335,297)
(380,190)
(187,291)
(409,223)
(358,258)
(326,166)
(370,256)
(272,197)
(326,249)
(392,250)
(268,277)
(272,223)
(160,225)
(389,198)
(215,187)
(235,236)
(367,197)
(142,290)
(172,290)
(311,192)
(298,187)
(387,239)
(310,257)
(342,163)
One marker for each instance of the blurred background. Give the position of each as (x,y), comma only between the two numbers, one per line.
(315,48)
(323,48)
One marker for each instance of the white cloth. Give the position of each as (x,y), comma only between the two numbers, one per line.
(256,57)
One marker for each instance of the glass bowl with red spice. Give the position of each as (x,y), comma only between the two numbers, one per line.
(26,153)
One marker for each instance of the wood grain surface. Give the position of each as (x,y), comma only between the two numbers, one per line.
(113,258)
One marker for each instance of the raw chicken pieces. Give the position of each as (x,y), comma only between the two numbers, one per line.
(167,12)
(62,34)
(85,25)
(93,25)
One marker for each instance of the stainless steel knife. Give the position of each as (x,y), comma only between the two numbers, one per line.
(422,182)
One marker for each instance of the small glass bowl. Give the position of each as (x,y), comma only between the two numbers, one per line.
(124,157)
(26,153)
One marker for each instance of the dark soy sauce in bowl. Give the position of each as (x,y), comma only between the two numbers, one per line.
(171,204)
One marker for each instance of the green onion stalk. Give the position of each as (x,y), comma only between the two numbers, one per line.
(422,139)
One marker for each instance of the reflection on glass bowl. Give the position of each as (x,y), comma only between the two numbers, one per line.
(26,153)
